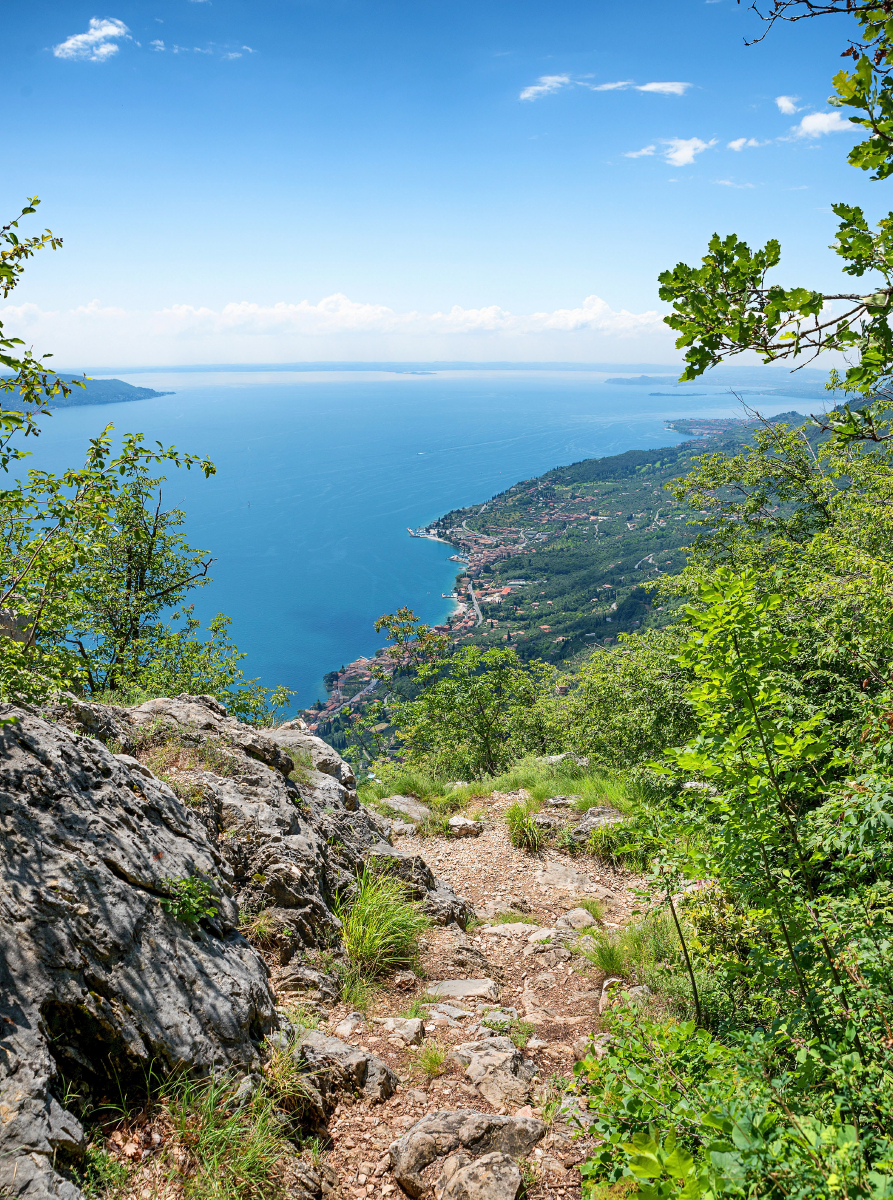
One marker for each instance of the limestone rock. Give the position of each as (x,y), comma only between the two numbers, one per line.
(322,757)
(491,1177)
(95,977)
(440,1133)
(510,929)
(463,989)
(596,818)
(496,1067)
(411,1029)
(409,807)
(348,1025)
(344,1066)
(209,716)
(577,918)
(463,827)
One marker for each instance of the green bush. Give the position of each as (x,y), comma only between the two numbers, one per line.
(189,899)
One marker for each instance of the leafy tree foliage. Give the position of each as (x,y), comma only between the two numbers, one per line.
(726,305)
(89,560)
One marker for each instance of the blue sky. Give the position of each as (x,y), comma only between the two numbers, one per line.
(263,181)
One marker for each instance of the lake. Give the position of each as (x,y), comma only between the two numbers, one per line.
(320,473)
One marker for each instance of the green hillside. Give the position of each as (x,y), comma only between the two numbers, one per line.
(587,539)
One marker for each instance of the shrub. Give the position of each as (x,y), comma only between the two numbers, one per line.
(189,899)
(381,926)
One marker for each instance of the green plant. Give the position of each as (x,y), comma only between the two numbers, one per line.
(521,1032)
(262,929)
(430,1058)
(417,1006)
(301,1016)
(189,899)
(228,1151)
(606,953)
(523,829)
(288,1086)
(381,926)
(104,1176)
(593,907)
(358,988)
(551,1096)
(515,918)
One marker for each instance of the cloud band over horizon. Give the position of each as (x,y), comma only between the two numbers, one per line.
(96,331)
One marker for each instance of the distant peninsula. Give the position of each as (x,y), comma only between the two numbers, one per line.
(97,391)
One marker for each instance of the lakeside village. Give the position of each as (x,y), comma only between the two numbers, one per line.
(476,552)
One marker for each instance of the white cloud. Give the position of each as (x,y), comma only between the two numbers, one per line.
(97,44)
(815,124)
(232,54)
(334,328)
(666,89)
(339,314)
(681,152)
(730,183)
(787,104)
(645,152)
(545,86)
(740,143)
(157,44)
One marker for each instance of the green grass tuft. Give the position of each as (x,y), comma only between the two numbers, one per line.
(431,1058)
(523,831)
(515,918)
(381,926)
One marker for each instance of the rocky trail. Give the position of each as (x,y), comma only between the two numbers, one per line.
(168,893)
(519,975)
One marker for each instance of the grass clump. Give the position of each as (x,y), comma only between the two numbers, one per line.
(381,926)
(358,989)
(262,929)
(606,953)
(524,832)
(431,1058)
(593,907)
(515,918)
(288,1087)
(417,1007)
(227,1151)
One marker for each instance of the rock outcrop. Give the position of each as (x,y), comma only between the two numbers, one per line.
(97,979)
(441,1133)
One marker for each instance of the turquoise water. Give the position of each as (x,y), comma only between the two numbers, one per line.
(319,476)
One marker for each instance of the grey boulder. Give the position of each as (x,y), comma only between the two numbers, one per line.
(97,980)
(491,1177)
(496,1067)
(344,1066)
(440,1133)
